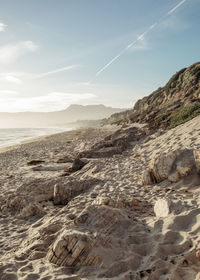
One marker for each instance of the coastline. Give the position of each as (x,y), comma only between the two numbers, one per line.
(30,140)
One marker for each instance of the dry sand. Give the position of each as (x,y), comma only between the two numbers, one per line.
(98,222)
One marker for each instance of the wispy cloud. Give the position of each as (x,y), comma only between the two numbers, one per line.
(176,7)
(53,101)
(138,39)
(10,78)
(2,26)
(6,93)
(13,79)
(10,53)
(70,67)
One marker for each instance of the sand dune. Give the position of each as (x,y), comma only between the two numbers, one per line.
(129,208)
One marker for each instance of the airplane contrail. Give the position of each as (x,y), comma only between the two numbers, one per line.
(176,7)
(139,38)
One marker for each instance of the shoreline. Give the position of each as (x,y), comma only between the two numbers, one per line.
(30,140)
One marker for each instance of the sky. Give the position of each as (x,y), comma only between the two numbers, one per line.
(111,52)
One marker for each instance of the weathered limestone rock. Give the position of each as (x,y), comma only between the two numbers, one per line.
(73,248)
(63,193)
(197,160)
(37,190)
(115,143)
(117,201)
(164,206)
(92,240)
(31,210)
(172,166)
(161,166)
(148,178)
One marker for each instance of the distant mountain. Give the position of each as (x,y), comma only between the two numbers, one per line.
(168,106)
(58,118)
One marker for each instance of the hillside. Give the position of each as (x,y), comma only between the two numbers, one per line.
(59,118)
(168,106)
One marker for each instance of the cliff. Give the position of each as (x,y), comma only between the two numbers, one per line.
(168,106)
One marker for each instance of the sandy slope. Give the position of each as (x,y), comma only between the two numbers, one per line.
(102,225)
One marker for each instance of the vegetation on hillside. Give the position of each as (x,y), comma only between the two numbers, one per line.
(184,114)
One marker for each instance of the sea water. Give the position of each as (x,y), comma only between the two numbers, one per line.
(12,136)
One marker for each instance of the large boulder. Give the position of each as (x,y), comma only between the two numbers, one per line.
(96,239)
(73,248)
(172,166)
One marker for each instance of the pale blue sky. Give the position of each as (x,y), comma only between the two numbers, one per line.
(57,53)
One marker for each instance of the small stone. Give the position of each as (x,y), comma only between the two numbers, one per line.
(162,208)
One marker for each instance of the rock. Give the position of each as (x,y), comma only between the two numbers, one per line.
(73,248)
(37,190)
(164,206)
(115,143)
(117,201)
(161,166)
(148,178)
(172,166)
(95,239)
(78,164)
(35,162)
(197,160)
(31,210)
(63,193)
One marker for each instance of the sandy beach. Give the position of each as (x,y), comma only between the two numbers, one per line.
(115,202)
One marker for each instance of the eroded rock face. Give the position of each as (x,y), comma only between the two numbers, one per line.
(115,143)
(93,240)
(158,108)
(172,166)
(73,248)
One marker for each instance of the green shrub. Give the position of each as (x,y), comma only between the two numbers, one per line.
(184,114)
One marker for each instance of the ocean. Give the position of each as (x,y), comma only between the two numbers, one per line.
(12,136)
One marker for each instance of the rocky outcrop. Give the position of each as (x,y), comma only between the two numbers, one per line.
(73,248)
(93,241)
(65,192)
(159,108)
(173,166)
(115,143)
